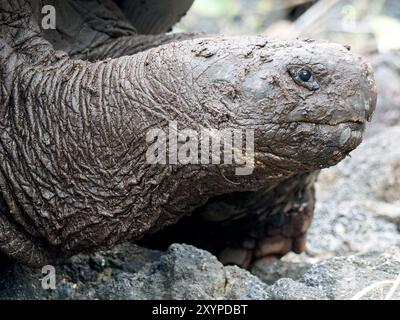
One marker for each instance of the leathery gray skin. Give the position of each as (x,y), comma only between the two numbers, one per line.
(73,172)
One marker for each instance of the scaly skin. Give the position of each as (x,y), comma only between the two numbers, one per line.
(73,171)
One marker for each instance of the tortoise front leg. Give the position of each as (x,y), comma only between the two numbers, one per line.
(283,233)
(243,227)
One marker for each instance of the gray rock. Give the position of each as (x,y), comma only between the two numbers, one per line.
(19,283)
(185,272)
(182,272)
(288,289)
(338,229)
(345,277)
(291,266)
(241,285)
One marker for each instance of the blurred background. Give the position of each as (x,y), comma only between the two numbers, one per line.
(367,25)
(370,27)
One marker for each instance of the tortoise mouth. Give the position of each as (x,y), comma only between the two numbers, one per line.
(354,124)
(312,145)
(344,135)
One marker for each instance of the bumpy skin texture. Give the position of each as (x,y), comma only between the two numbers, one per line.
(73,172)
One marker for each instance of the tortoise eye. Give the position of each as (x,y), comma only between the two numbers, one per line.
(304,77)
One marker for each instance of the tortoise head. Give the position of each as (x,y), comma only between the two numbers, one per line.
(308,102)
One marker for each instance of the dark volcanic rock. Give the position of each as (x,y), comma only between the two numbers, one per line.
(184,272)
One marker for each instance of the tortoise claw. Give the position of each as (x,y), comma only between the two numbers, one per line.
(236,256)
(277,241)
(273,247)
